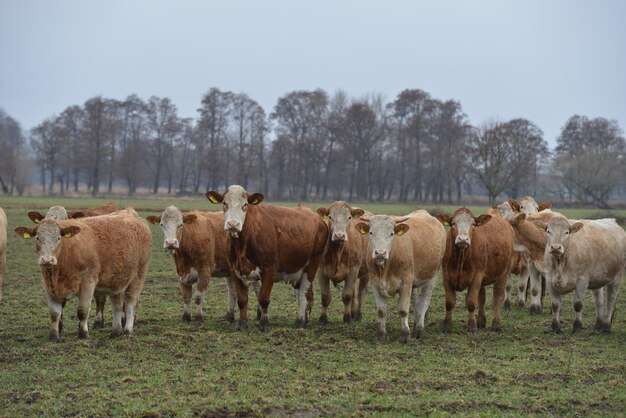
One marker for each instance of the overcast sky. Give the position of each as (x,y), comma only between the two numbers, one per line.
(539,60)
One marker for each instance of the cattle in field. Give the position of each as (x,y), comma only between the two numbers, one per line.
(59,213)
(343,260)
(587,254)
(405,256)
(104,255)
(277,243)
(199,246)
(478,254)
(3,248)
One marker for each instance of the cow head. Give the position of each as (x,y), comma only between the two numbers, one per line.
(338,217)
(235,202)
(462,224)
(558,231)
(58,213)
(382,230)
(528,205)
(505,209)
(171,222)
(48,236)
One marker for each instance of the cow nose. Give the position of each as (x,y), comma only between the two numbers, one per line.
(340,236)
(380,253)
(462,241)
(47,260)
(233,225)
(171,244)
(556,248)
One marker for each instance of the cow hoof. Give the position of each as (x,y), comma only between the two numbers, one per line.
(357,316)
(241,325)
(521,304)
(229,317)
(98,324)
(472,327)
(323,320)
(606,327)
(82,334)
(259,313)
(380,336)
(446,328)
(299,323)
(116,333)
(578,326)
(404,337)
(347,318)
(54,337)
(264,324)
(535,309)
(496,327)
(507,304)
(417,333)
(556,328)
(186,317)
(198,318)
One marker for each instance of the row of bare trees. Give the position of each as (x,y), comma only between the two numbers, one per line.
(312,146)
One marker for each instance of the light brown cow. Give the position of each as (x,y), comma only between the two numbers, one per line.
(279,244)
(581,255)
(478,254)
(405,256)
(199,247)
(105,255)
(3,248)
(344,260)
(59,213)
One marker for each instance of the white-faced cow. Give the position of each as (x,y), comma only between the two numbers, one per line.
(199,246)
(3,248)
(343,260)
(584,255)
(280,244)
(405,256)
(478,254)
(105,255)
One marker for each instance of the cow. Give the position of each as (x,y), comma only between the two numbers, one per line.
(277,243)
(103,255)
(405,256)
(3,248)
(199,246)
(478,254)
(59,213)
(343,260)
(581,255)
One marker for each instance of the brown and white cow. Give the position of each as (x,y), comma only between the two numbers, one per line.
(588,254)
(405,256)
(103,255)
(59,213)
(478,254)
(199,246)
(3,248)
(343,260)
(278,243)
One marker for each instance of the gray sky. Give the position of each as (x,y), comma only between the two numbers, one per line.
(540,60)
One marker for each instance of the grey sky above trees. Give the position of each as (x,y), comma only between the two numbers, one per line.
(537,60)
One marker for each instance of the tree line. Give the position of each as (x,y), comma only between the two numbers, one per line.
(312,146)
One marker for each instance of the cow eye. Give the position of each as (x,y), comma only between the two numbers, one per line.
(370,232)
(566,232)
(391,235)
(349,217)
(161,224)
(453,224)
(330,218)
(58,238)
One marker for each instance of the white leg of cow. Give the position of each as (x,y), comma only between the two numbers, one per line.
(420,305)
(256,286)
(186,291)
(381,308)
(509,292)
(556,309)
(56,312)
(324,282)
(84,305)
(204,278)
(117,301)
(302,302)
(198,297)
(129,310)
(404,305)
(599,296)
(522,283)
(579,295)
(232,300)
(611,300)
(535,290)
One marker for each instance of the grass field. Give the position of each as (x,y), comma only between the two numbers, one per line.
(170,368)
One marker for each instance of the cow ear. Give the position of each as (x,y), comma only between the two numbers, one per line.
(544,206)
(519,219)
(70,231)
(363,228)
(356,212)
(77,214)
(576,227)
(482,219)
(154,220)
(542,226)
(255,198)
(187,219)
(323,212)
(36,217)
(26,232)
(214,197)
(400,229)
(444,219)
(514,205)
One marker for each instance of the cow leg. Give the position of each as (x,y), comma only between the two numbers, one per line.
(256,286)
(203,283)
(556,309)
(450,302)
(56,311)
(522,284)
(117,301)
(267,282)
(381,308)
(84,305)
(100,303)
(131,298)
(471,302)
(242,301)
(404,305)
(611,300)
(535,290)
(185,290)
(303,302)
(599,296)
(232,299)
(579,294)
(363,282)
(348,297)
(498,296)
(508,296)
(481,322)
(326,297)
(421,303)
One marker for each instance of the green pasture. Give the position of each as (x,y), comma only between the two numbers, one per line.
(171,368)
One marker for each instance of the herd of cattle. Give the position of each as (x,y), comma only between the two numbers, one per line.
(104,252)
